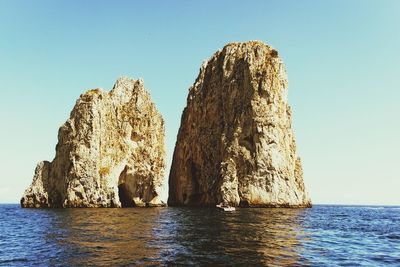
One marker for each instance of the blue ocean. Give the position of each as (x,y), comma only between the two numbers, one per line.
(321,236)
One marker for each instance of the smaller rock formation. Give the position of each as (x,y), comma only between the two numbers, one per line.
(110,153)
(235,144)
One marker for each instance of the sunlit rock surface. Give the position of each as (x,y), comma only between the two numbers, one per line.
(235,144)
(110,153)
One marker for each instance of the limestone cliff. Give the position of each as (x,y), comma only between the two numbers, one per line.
(110,153)
(235,144)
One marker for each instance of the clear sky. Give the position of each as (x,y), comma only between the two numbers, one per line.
(342,58)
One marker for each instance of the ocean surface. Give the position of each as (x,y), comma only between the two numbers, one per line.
(321,236)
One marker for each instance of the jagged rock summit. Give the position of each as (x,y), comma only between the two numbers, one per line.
(110,153)
(235,144)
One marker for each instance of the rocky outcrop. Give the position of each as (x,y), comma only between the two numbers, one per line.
(235,144)
(110,153)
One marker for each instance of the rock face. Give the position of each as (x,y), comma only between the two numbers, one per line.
(110,153)
(235,144)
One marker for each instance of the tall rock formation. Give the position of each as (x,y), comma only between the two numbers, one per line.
(235,144)
(110,153)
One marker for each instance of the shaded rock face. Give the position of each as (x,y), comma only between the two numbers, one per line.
(235,144)
(110,153)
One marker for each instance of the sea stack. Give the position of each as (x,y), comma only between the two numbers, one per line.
(235,144)
(110,153)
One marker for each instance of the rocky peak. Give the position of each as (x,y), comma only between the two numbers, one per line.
(110,153)
(235,144)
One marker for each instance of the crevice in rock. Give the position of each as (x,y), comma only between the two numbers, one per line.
(195,174)
(125,196)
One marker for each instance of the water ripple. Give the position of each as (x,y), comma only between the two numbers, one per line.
(323,235)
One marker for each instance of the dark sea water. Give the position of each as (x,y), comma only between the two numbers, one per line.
(321,236)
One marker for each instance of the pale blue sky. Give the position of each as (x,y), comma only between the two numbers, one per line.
(342,58)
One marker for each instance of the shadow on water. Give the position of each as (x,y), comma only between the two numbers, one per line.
(154,236)
(255,237)
(322,236)
(107,237)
